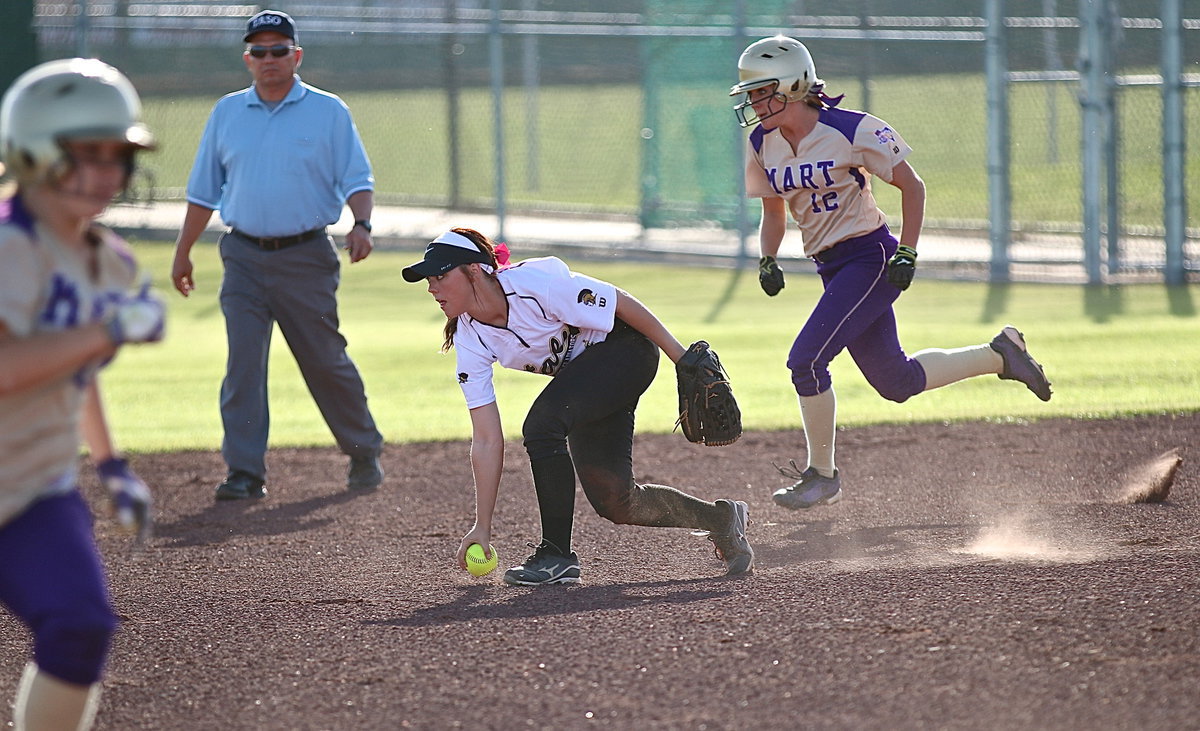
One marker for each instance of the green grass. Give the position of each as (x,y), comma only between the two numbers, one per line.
(406,133)
(1109,352)
(587,149)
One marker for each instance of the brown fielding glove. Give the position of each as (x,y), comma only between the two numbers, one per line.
(707,410)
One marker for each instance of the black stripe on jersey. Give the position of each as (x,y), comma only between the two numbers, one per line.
(515,334)
(485,347)
(504,328)
(534,300)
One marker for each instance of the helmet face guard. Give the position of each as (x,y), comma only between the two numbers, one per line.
(62,101)
(748,116)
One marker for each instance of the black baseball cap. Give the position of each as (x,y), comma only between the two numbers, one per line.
(443,254)
(273,20)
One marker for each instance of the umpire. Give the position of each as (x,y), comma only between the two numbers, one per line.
(279,160)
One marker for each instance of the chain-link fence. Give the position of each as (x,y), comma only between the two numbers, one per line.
(535,106)
(1048,135)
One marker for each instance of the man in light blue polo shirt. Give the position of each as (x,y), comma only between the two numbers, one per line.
(279,160)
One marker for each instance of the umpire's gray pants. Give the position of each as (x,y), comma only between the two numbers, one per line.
(296,287)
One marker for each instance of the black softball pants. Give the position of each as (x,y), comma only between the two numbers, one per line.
(582,423)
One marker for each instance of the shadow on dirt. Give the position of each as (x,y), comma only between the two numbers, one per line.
(478,602)
(814,541)
(221,521)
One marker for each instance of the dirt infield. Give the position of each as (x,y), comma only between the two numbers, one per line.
(983,575)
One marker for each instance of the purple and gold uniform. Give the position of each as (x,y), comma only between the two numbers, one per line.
(51,575)
(826,180)
(47,286)
(809,159)
(70,131)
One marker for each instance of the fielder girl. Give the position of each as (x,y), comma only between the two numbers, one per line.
(69,131)
(600,347)
(814,160)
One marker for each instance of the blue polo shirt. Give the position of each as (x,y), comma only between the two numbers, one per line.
(277,172)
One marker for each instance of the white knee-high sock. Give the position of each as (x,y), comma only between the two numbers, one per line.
(45,703)
(943,367)
(820,425)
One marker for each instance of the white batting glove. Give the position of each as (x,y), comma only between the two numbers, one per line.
(129,497)
(137,319)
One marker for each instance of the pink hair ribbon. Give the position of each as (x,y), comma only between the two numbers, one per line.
(502,255)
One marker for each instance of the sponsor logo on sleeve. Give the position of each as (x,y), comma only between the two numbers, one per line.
(462,377)
(887,136)
(589,298)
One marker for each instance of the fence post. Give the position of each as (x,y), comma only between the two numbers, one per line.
(82,30)
(867,61)
(18,52)
(531,74)
(648,172)
(1053,63)
(1174,160)
(454,49)
(743,213)
(496,59)
(1091,99)
(1112,137)
(999,186)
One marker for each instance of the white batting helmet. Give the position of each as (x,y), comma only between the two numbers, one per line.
(68,99)
(779,62)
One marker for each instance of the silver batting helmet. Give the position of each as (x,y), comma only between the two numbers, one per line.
(779,62)
(68,99)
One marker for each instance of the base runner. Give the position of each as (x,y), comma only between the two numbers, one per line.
(69,133)
(806,156)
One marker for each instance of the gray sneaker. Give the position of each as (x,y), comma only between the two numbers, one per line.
(731,545)
(547,565)
(1019,365)
(812,489)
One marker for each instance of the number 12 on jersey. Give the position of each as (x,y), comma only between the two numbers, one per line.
(827,202)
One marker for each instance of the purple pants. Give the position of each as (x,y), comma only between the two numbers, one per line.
(855,313)
(52,579)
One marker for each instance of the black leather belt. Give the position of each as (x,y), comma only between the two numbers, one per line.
(275,243)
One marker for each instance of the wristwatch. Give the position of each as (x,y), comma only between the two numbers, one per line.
(365,223)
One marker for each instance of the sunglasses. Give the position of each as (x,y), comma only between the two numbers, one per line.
(277,51)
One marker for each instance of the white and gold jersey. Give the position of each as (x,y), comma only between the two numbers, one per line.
(48,286)
(826,180)
(553,315)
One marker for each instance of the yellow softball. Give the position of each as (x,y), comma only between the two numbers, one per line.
(477,563)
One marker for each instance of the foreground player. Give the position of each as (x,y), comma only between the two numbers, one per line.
(808,157)
(599,345)
(69,131)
